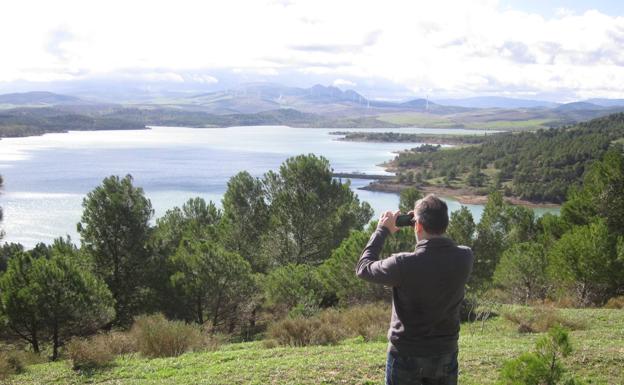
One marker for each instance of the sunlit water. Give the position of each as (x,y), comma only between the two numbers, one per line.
(47,177)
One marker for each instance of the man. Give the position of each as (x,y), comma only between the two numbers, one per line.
(427,291)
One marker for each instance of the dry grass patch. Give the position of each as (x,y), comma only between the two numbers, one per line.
(368,321)
(615,303)
(301,331)
(10,364)
(13,361)
(331,326)
(540,319)
(90,353)
(156,336)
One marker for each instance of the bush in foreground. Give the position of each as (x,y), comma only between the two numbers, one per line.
(542,366)
(156,336)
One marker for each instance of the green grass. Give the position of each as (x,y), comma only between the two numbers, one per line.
(419,120)
(598,359)
(510,125)
(471,120)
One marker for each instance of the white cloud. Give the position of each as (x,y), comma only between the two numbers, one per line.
(444,47)
(205,79)
(563,12)
(344,83)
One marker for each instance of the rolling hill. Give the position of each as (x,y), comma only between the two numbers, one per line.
(39,98)
(275,104)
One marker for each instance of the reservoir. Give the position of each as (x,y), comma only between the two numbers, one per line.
(46,177)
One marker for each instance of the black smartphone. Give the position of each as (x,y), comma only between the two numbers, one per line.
(405,220)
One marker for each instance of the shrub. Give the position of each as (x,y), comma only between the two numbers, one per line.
(156,336)
(120,343)
(211,341)
(542,366)
(100,350)
(368,321)
(615,303)
(294,331)
(539,319)
(331,326)
(326,334)
(10,363)
(91,353)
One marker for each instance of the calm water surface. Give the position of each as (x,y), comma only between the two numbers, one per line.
(46,177)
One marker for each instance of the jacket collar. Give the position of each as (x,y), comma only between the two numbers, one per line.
(435,242)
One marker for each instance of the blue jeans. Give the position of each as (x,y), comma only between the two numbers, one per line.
(413,370)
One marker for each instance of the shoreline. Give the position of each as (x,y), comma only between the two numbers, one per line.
(463,196)
(212,126)
(408,138)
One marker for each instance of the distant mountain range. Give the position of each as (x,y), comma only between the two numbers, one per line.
(271,104)
(41,98)
(258,97)
(496,102)
(504,102)
(253,98)
(326,100)
(607,102)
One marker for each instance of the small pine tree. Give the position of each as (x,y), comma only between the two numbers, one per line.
(52,298)
(543,366)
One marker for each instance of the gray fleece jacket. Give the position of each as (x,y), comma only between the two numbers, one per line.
(427,291)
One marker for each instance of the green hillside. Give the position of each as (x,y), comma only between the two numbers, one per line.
(597,358)
(537,166)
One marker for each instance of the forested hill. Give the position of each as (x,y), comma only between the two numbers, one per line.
(40,120)
(539,166)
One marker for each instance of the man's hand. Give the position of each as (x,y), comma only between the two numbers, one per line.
(388,220)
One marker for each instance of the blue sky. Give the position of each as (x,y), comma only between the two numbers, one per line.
(549,8)
(395,49)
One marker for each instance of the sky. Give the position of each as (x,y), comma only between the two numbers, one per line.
(391,49)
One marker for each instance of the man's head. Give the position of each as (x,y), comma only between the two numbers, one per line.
(431,214)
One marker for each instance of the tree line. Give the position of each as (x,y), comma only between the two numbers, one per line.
(360,136)
(537,166)
(27,121)
(286,244)
(198,263)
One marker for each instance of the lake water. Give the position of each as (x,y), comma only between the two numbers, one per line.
(47,177)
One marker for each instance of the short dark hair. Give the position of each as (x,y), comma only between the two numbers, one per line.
(432,213)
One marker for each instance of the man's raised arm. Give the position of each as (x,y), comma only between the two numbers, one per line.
(370,267)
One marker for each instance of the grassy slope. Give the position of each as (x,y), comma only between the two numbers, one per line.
(598,358)
(481,119)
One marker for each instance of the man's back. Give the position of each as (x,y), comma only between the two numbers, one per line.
(427,288)
(425,310)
